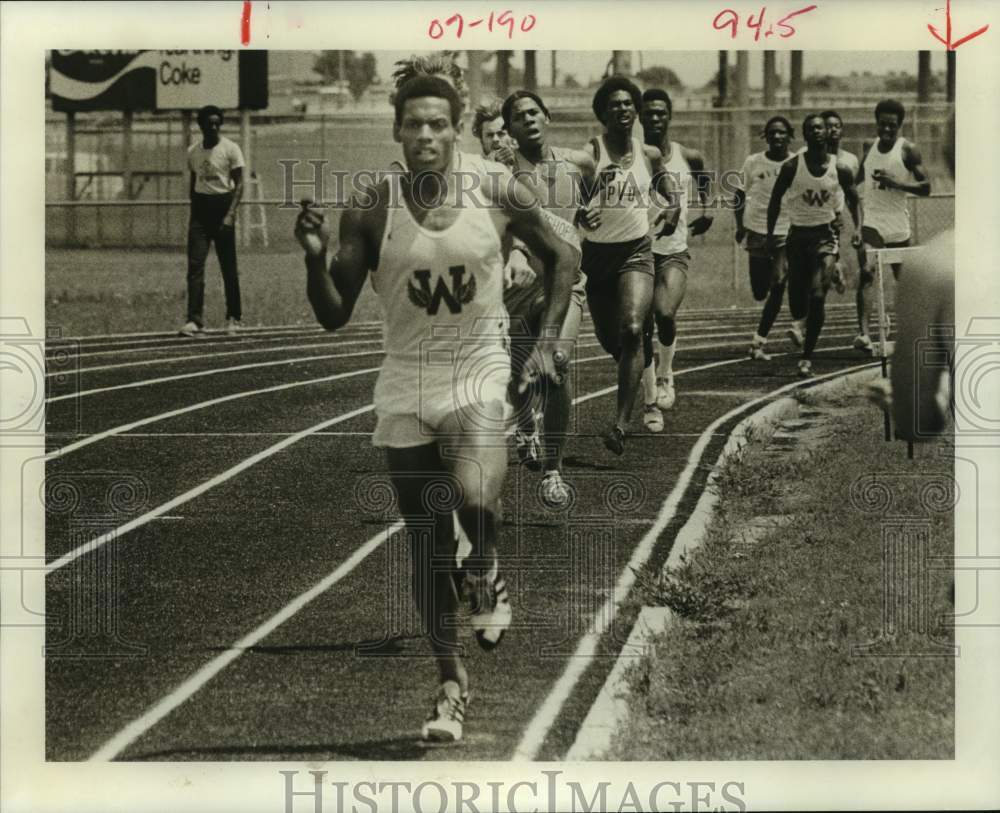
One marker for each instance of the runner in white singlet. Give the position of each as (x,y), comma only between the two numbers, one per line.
(433,252)
(768,264)
(671,258)
(806,188)
(890,169)
(617,250)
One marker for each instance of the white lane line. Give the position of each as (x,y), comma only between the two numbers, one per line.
(540,725)
(135,729)
(202,343)
(201,356)
(344,434)
(200,489)
(149,381)
(214,371)
(126,427)
(172,334)
(176,697)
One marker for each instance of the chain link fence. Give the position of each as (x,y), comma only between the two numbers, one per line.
(154,212)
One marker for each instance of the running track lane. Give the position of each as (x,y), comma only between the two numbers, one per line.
(56,757)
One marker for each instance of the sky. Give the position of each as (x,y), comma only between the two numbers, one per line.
(695,68)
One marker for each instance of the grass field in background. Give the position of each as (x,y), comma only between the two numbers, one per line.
(762,663)
(92,291)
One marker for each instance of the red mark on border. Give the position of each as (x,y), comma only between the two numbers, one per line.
(245,23)
(728,18)
(946,40)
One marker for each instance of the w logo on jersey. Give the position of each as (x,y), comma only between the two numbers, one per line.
(816,198)
(461,293)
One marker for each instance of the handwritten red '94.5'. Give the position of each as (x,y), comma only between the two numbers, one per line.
(727,18)
(458,24)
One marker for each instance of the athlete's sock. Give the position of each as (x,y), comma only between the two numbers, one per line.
(649,384)
(758,340)
(667,360)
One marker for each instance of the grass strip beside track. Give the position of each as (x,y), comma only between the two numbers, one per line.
(810,637)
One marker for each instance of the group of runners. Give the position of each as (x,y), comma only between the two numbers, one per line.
(482,262)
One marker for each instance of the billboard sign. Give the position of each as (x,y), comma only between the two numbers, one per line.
(157,80)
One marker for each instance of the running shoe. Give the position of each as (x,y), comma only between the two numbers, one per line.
(665,394)
(614,440)
(864,344)
(555,492)
(756,352)
(232,326)
(489,605)
(652,417)
(795,335)
(805,368)
(191,329)
(444,723)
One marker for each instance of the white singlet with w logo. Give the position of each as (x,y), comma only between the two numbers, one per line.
(445,325)
(812,201)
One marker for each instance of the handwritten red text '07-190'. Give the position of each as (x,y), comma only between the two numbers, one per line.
(759,23)
(458,25)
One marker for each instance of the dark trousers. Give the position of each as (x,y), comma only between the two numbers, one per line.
(207,213)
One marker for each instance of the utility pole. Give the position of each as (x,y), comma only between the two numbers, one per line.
(530,70)
(770,79)
(503,73)
(795,80)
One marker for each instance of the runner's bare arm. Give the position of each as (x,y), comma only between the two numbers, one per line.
(860,177)
(334,291)
(586,162)
(529,222)
(702,184)
(740,200)
(551,240)
(667,186)
(913,162)
(781,185)
(236,174)
(846,179)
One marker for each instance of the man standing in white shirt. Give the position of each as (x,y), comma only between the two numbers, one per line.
(216,170)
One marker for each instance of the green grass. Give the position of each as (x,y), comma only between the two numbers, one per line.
(763,661)
(90,291)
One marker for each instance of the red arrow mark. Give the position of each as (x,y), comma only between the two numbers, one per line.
(946,40)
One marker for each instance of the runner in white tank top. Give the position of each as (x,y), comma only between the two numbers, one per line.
(671,259)
(806,188)
(768,265)
(617,249)
(437,270)
(890,169)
